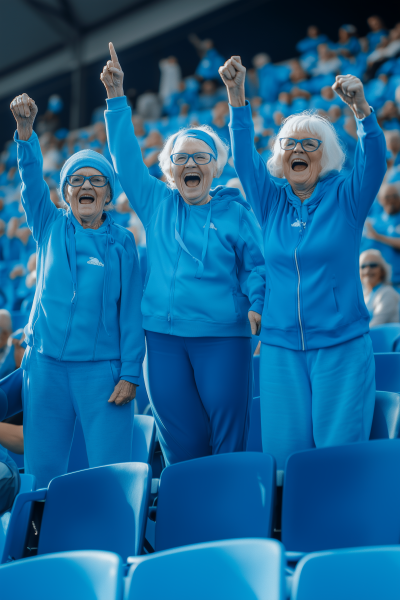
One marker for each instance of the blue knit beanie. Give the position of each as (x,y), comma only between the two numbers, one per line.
(87,158)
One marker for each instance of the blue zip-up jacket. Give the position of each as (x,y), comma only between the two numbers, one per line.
(313,295)
(205,263)
(88,293)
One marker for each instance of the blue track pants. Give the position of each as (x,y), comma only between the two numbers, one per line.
(57,393)
(316,398)
(199,389)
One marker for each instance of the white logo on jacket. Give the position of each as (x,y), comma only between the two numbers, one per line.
(95,261)
(299,223)
(212,226)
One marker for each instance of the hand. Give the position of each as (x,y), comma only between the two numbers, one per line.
(113,76)
(255,322)
(351,91)
(233,74)
(124,392)
(24,110)
(17,271)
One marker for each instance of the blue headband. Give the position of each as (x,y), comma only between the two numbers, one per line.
(198,134)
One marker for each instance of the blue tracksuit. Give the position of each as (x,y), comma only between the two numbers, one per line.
(314,298)
(205,263)
(86,310)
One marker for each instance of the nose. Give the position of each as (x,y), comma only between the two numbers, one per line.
(298,148)
(190,162)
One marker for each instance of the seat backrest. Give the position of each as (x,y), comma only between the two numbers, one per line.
(236,569)
(254,440)
(384,337)
(367,573)
(12,388)
(97,509)
(86,575)
(387,371)
(17,546)
(386,422)
(144,439)
(219,497)
(341,497)
(256,375)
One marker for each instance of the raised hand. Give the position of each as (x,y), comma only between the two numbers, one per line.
(24,110)
(113,76)
(351,91)
(233,74)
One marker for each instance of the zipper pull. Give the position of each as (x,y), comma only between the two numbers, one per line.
(74,296)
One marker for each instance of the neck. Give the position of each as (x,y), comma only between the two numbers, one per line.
(303,191)
(90,223)
(199,202)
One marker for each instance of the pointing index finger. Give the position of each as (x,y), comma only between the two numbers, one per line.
(113,54)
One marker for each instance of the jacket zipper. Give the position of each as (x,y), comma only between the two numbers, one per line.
(298,283)
(71,314)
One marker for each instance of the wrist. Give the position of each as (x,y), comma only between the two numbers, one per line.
(115,93)
(236,98)
(362,110)
(24,133)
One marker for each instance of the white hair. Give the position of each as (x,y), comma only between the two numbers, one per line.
(165,160)
(333,155)
(387,269)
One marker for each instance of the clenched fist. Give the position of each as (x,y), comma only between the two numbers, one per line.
(24,110)
(233,74)
(113,76)
(351,91)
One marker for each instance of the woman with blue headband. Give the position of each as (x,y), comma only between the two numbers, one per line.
(204,289)
(85,342)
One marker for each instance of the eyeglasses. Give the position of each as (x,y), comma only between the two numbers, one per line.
(370,265)
(79,180)
(200,158)
(308,144)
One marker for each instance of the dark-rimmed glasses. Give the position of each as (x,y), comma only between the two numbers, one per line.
(370,265)
(308,144)
(79,180)
(200,158)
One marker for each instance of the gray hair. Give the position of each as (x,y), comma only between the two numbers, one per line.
(387,269)
(164,156)
(333,155)
(386,185)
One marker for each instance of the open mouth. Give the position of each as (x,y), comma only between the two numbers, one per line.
(299,165)
(192,180)
(86,199)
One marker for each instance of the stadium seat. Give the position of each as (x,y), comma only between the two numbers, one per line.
(254,441)
(256,376)
(387,372)
(16,547)
(364,573)
(386,422)
(341,497)
(87,575)
(98,509)
(246,569)
(384,338)
(220,497)
(11,398)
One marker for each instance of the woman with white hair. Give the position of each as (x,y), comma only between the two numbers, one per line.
(205,283)
(317,366)
(381,300)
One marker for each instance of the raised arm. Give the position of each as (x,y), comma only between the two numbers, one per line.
(144,192)
(252,171)
(35,195)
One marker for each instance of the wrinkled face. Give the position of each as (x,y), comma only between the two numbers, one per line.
(193,181)
(299,167)
(87,202)
(371,276)
(389,198)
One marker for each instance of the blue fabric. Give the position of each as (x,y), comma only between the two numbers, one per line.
(317,302)
(198,134)
(209,64)
(309,44)
(61,391)
(388,225)
(86,158)
(316,398)
(200,391)
(87,300)
(205,263)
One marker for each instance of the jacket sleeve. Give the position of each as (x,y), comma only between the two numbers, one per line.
(362,185)
(130,316)
(144,191)
(35,196)
(261,191)
(251,263)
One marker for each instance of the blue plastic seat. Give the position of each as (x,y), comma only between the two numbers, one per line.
(357,573)
(385,337)
(256,375)
(254,440)
(341,497)
(16,546)
(219,497)
(87,575)
(97,509)
(245,569)
(386,422)
(387,372)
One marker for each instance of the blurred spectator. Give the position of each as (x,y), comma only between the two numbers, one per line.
(5,333)
(148,106)
(328,62)
(312,41)
(50,121)
(348,44)
(381,299)
(211,60)
(235,183)
(122,211)
(15,352)
(151,148)
(170,77)
(378,31)
(388,116)
(326,99)
(210,94)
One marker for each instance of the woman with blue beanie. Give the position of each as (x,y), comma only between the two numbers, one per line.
(85,342)
(204,288)
(317,370)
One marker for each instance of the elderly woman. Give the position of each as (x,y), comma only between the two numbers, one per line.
(85,343)
(204,288)
(381,299)
(317,365)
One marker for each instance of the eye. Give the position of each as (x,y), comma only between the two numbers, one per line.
(97,179)
(76,178)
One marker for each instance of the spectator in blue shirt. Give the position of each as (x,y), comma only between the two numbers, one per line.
(348,43)
(377,33)
(313,39)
